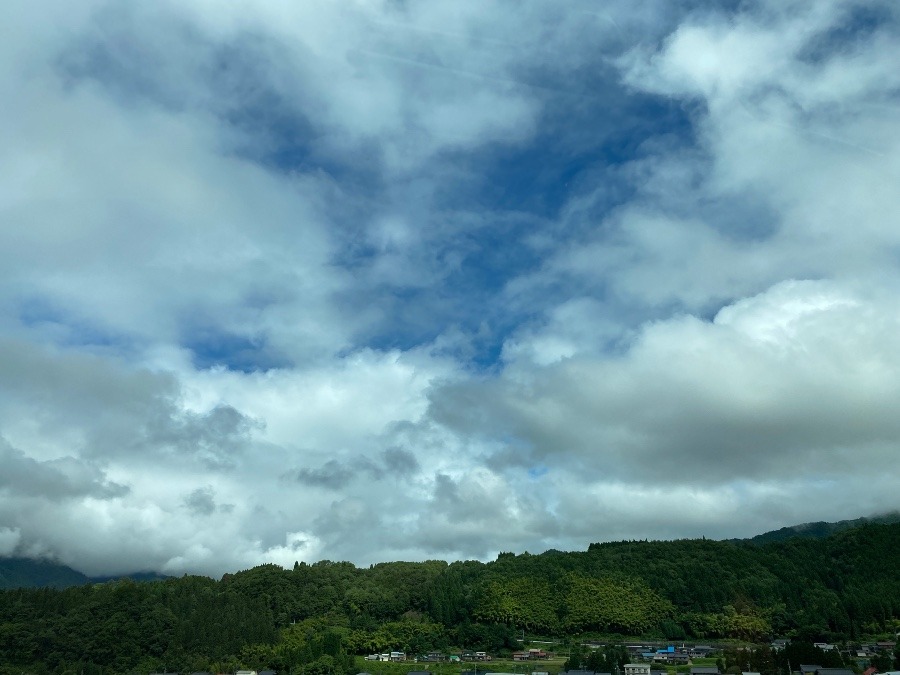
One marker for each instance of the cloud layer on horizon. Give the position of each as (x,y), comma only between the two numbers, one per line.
(380,280)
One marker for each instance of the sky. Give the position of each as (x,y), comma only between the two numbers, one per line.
(389,280)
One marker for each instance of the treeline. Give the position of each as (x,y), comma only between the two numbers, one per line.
(318,616)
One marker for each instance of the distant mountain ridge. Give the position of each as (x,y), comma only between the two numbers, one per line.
(29,573)
(819,529)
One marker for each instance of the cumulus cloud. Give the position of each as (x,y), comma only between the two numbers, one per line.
(378,280)
(792,381)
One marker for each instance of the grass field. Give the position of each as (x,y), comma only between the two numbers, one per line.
(552,665)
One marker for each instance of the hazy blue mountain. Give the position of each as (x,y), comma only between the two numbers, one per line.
(28,573)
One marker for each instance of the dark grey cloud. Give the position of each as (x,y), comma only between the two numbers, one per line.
(215,438)
(61,479)
(201,501)
(400,462)
(333,475)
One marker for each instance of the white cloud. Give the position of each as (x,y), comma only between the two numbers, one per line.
(274,275)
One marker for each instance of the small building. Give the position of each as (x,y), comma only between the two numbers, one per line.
(637,669)
(704,670)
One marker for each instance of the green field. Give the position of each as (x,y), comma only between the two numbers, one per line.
(552,665)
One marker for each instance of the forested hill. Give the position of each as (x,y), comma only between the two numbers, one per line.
(30,573)
(842,587)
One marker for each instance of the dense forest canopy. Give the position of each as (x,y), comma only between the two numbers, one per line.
(839,588)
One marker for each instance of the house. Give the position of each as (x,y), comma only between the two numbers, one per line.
(637,669)
(834,671)
(538,654)
(704,670)
(670,655)
(398,656)
(521,656)
(780,644)
(809,669)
